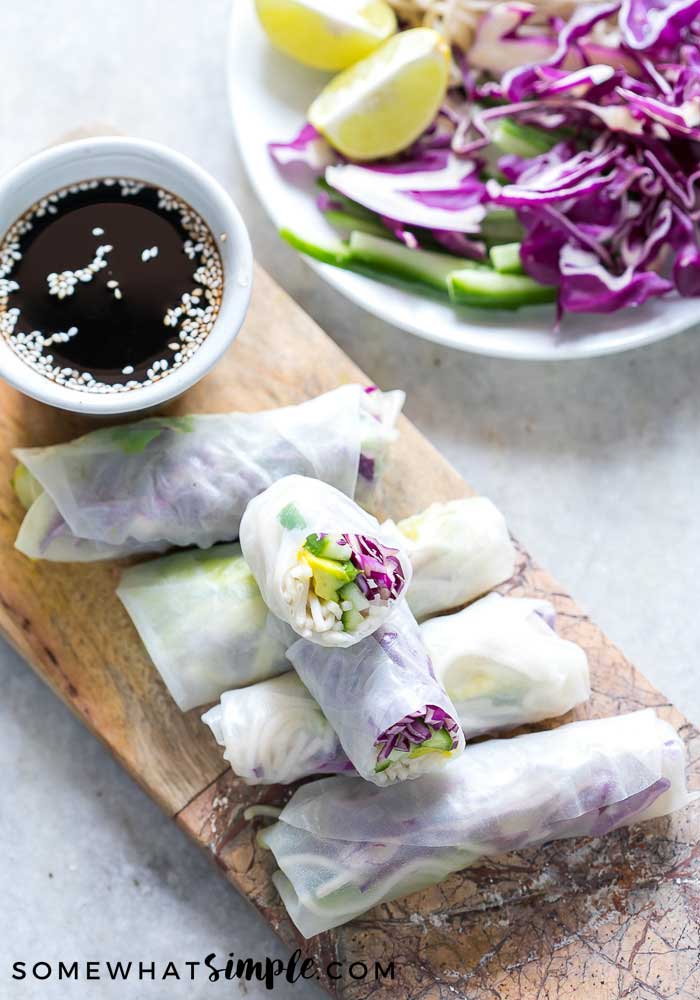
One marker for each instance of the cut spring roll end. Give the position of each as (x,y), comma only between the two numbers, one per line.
(417,742)
(343,847)
(274,733)
(322,563)
(340,582)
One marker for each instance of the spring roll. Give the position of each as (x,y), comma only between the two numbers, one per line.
(205,650)
(499,661)
(392,716)
(323,565)
(181,481)
(274,732)
(344,846)
(205,626)
(459,551)
(503,664)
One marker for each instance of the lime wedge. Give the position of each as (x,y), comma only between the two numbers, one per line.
(327,34)
(381,105)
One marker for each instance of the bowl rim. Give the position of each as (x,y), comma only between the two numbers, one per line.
(223,218)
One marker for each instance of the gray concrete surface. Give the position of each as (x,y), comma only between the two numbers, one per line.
(594,464)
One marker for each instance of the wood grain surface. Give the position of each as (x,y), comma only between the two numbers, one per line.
(593,919)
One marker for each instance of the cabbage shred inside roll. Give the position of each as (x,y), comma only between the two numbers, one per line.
(338,579)
(429,731)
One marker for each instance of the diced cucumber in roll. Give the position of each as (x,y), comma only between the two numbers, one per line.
(351,620)
(352,593)
(440,741)
(329,575)
(328,547)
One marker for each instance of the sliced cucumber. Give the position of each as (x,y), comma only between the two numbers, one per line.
(489,290)
(465,281)
(506,258)
(380,258)
(349,206)
(348,222)
(338,254)
(501,225)
(523,140)
(424,267)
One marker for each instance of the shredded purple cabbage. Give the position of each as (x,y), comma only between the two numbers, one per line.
(610,214)
(381,576)
(414,729)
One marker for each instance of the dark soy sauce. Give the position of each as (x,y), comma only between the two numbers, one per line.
(109,285)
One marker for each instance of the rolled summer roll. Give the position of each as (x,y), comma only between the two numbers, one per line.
(392,716)
(206,648)
(323,565)
(503,664)
(499,661)
(203,621)
(182,481)
(344,846)
(274,732)
(459,550)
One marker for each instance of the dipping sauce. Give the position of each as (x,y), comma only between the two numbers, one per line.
(109,285)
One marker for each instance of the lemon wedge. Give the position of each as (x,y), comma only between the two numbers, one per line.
(381,105)
(327,34)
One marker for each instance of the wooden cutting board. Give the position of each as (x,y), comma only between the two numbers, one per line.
(595,919)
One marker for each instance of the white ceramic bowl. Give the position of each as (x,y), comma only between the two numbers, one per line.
(147,161)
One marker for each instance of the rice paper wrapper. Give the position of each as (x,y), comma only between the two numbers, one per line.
(344,846)
(274,529)
(275,732)
(459,550)
(187,480)
(370,688)
(205,626)
(504,665)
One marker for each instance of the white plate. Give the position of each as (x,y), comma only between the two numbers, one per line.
(268,95)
